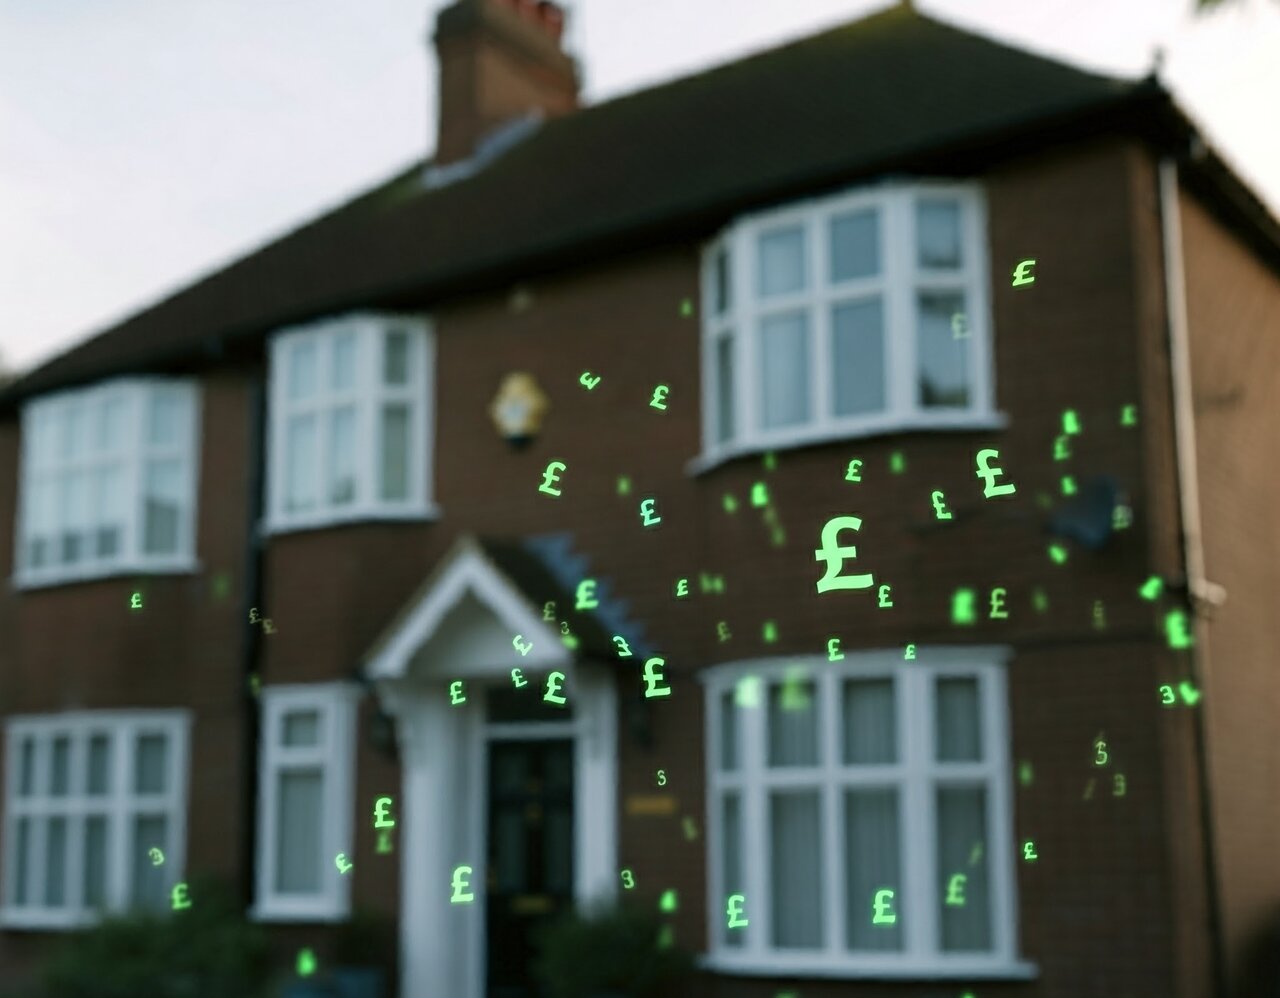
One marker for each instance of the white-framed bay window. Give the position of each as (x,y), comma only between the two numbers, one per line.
(859,313)
(88,796)
(109,478)
(305,794)
(351,421)
(834,785)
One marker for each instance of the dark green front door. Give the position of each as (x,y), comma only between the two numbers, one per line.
(530,855)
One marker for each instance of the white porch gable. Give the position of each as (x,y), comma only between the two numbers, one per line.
(459,626)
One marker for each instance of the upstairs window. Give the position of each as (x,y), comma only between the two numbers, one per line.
(95,813)
(108,481)
(350,425)
(856,314)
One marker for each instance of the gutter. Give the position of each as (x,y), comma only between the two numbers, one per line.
(1200,590)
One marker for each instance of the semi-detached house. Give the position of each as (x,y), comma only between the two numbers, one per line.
(318,471)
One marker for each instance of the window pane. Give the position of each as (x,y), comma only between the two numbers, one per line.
(395,360)
(147,883)
(342,455)
(724,388)
(40,523)
(857,357)
(342,374)
(149,765)
(300,459)
(781,265)
(793,724)
(55,863)
(161,506)
(301,727)
(961,826)
(731,870)
(958,721)
(938,233)
(109,426)
(855,245)
(871,864)
(795,854)
(27,767)
(784,369)
(746,692)
(395,451)
(73,514)
(43,425)
(870,722)
(72,438)
(720,283)
(37,551)
(165,422)
(728,732)
(298,823)
(944,360)
(95,861)
(302,363)
(21,862)
(60,770)
(99,765)
(108,510)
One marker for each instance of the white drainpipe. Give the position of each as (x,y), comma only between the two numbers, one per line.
(1201,590)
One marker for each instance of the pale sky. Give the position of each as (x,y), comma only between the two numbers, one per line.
(143,144)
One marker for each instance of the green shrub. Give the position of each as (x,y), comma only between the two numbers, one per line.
(606,951)
(206,951)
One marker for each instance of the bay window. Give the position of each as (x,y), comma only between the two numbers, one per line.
(108,481)
(862,809)
(861,313)
(88,796)
(350,421)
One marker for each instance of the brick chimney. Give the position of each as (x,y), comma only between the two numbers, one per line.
(499,60)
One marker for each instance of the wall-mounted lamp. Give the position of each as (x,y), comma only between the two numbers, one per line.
(518,408)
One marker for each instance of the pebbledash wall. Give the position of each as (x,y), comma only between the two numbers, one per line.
(1115,905)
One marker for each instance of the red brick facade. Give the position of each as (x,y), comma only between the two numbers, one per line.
(1116,904)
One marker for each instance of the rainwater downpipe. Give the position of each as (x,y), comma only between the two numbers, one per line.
(1200,589)
(251,645)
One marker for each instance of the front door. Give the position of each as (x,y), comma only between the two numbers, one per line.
(530,863)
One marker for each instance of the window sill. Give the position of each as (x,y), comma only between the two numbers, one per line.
(990,969)
(45,921)
(881,426)
(298,913)
(426,513)
(46,580)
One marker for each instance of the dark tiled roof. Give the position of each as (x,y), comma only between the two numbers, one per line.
(895,91)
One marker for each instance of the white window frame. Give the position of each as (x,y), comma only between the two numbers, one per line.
(921,956)
(899,280)
(368,394)
(132,453)
(120,806)
(334,755)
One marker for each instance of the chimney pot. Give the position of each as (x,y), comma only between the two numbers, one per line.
(552,18)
